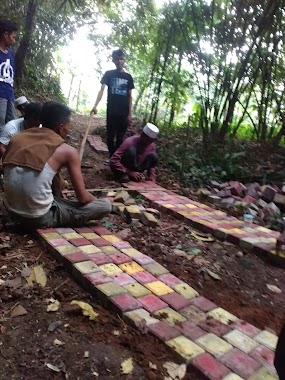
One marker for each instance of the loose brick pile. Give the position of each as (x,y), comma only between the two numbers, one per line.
(258,239)
(202,334)
(96,143)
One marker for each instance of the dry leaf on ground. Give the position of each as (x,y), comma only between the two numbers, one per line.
(175,371)
(53,305)
(127,366)
(274,288)
(37,275)
(53,367)
(18,311)
(86,309)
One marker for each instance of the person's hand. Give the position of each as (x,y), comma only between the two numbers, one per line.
(94,110)
(129,120)
(136,176)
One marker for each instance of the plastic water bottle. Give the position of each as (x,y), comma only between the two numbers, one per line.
(248,220)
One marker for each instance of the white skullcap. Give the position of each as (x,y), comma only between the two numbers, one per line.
(150,130)
(21,100)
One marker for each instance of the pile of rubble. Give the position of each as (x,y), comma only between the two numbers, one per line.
(125,205)
(263,202)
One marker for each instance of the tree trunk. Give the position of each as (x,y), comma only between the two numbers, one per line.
(26,39)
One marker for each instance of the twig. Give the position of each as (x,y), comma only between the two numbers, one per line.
(60,285)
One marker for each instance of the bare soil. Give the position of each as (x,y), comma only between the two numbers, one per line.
(96,349)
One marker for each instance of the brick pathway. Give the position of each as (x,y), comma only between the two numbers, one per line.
(258,239)
(202,334)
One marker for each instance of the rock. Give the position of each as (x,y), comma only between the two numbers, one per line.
(261,203)
(224,193)
(179,252)
(239,254)
(214,199)
(236,188)
(215,184)
(226,202)
(279,200)
(272,206)
(203,193)
(153,211)
(249,199)
(274,288)
(133,212)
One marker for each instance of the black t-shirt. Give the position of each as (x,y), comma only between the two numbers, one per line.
(119,83)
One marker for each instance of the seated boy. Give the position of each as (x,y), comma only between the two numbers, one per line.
(31,161)
(136,155)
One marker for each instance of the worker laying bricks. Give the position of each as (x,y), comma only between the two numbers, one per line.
(32,160)
(21,104)
(136,155)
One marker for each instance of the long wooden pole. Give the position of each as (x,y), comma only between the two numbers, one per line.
(81,151)
(118,189)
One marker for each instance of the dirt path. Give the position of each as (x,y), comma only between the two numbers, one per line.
(96,349)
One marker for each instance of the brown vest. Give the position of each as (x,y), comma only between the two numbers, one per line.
(32,148)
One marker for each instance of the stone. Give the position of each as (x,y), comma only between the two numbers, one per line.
(232,376)
(210,367)
(148,219)
(216,200)
(185,348)
(224,193)
(130,202)
(236,188)
(261,203)
(118,208)
(226,202)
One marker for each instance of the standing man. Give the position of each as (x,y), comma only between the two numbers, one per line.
(7,67)
(119,101)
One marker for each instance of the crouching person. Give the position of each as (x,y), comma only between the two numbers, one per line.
(136,155)
(32,160)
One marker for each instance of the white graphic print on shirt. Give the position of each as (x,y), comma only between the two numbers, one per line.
(119,86)
(6,72)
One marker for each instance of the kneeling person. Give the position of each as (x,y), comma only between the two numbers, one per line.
(31,161)
(136,155)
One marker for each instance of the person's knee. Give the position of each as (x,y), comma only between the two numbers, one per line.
(102,207)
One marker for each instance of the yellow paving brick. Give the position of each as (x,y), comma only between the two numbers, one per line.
(241,341)
(90,235)
(66,249)
(111,269)
(51,235)
(222,315)
(214,345)
(131,252)
(131,268)
(189,205)
(263,374)
(197,213)
(168,205)
(267,339)
(185,347)
(184,213)
(232,376)
(87,267)
(141,317)
(137,290)
(71,235)
(109,250)
(170,316)
(237,231)
(111,289)
(111,238)
(263,229)
(89,249)
(185,290)
(159,288)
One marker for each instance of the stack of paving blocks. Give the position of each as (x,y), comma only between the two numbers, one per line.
(96,143)
(201,334)
(124,204)
(260,240)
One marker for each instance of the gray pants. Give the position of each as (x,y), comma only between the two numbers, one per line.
(68,213)
(7,112)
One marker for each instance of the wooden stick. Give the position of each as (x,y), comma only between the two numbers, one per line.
(118,189)
(81,151)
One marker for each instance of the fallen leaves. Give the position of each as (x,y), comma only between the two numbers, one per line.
(86,309)
(38,276)
(274,288)
(18,311)
(127,366)
(53,305)
(175,371)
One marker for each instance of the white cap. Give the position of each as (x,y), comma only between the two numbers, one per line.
(150,130)
(21,100)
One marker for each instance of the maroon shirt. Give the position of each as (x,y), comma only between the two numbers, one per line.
(132,141)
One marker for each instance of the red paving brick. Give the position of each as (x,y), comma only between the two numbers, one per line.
(264,356)
(144,277)
(203,304)
(169,279)
(210,367)
(126,302)
(163,331)
(152,303)
(175,300)
(214,326)
(100,258)
(98,278)
(240,363)
(190,330)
